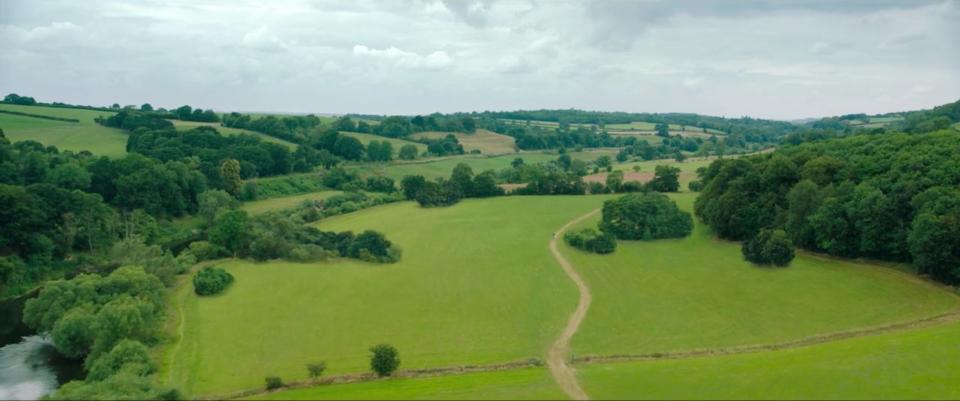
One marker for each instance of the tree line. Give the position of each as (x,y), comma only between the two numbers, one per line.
(889,197)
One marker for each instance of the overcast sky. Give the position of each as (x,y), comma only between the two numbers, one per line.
(774,59)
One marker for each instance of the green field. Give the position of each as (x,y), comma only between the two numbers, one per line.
(487,142)
(441,167)
(917,364)
(518,384)
(698,292)
(397,143)
(286,202)
(186,125)
(476,285)
(85,135)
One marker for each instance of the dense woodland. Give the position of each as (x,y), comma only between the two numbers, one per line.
(883,196)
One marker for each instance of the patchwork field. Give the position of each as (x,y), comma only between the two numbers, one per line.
(441,167)
(476,285)
(916,364)
(519,384)
(286,202)
(75,136)
(397,143)
(185,125)
(698,293)
(487,142)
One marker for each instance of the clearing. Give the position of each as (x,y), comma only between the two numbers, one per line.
(469,273)
(186,125)
(487,142)
(75,136)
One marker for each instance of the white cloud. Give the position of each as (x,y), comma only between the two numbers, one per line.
(263,39)
(404,59)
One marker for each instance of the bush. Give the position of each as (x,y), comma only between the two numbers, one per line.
(210,281)
(769,247)
(695,186)
(590,240)
(645,216)
(316,369)
(204,250)
(385,359)
(273,382)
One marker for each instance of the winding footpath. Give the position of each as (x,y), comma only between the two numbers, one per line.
(557,355)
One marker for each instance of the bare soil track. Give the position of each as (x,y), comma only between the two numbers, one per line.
(556,357)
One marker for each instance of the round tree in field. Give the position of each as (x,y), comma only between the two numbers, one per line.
(769,247)
(645,216)
(211,280)
(385,359)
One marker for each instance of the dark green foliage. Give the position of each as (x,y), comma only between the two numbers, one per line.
(14,98)
(665,179)
(439,193)
(121,386)
(290,128)
(448,145)
(769,247)
(131,120)
(695,186)
(551,180)
(273,382)
(380,151)
(211,281)
(315,370)
(129,356)
(231,231)
(412,185)
(385,359)
(590,240)
(18,113)
(380,184)
(864,195)
(372,246)
(645,216)
(408,152)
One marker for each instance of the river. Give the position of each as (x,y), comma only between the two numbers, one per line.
(30,367)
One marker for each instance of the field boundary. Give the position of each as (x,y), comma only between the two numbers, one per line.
(45,117)
(757,348)
(367,377)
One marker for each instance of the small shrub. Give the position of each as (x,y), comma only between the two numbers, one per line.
(315,370)
(210,281)
(273,382)
(385,359)
(590,240)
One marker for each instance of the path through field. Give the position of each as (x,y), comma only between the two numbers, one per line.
(556,357)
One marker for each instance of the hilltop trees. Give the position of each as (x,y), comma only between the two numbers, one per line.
(665,179)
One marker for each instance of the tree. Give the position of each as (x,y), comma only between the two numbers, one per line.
(614,181)
(211,281)
(803,200)
(412,185)
(662,130)
(665,179)
(408,152)
(213,202)
(385,359)
(517,162)
(146,107)
(69,176)
(645,216)
(462,179)
(230,175)
(231,231)
(769,247)
(315,370)
(130,356)
(603,162)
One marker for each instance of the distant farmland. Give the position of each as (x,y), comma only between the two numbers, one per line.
(74,136)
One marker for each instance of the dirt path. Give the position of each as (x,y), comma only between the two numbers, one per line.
(556,357)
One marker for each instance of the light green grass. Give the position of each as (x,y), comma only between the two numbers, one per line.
(698,292)
(442,167)
(85,135)
(287,202)
(519,384)
(916,364)
(487,142)
(365,139)
(476,285)
(186,125)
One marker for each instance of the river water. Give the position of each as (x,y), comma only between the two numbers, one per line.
(30,366)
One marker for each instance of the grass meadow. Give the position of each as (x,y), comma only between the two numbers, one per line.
(518,384)
(84,135)
(442,167)
(476,285)
(397,143)
(698,292)
(286,202)
(921,363)
(186,125)
(487,142)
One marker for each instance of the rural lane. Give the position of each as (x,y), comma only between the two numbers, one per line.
(557,355)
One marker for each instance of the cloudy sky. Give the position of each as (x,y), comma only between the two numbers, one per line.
(774,59)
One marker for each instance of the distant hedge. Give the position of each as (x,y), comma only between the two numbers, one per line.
(17,113)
